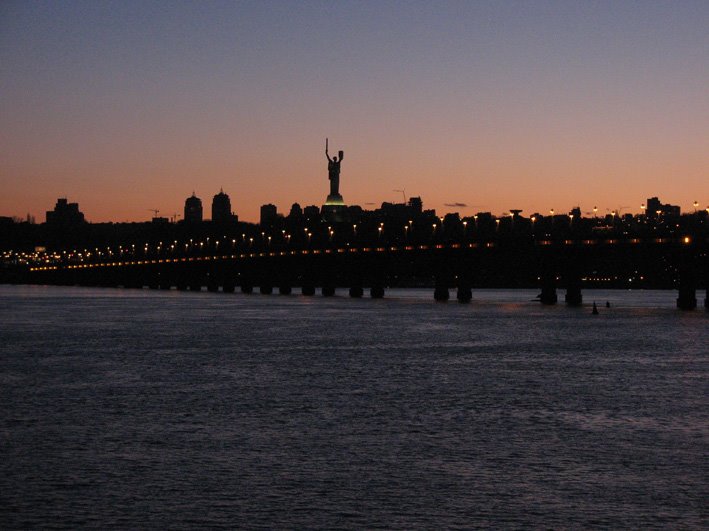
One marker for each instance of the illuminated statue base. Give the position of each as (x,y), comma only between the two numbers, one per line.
(334,210)
(334,200)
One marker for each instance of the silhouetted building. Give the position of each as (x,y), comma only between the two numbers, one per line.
(311,213)
(655,207)
(296,213)
(269,214)
(451,219)
(65,214)
(416,205)
(221,208)
(193,209)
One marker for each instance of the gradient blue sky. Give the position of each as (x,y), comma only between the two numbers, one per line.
(131,105)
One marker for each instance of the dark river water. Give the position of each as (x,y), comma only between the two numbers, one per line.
(150,409)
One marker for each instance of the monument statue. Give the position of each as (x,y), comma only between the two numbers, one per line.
(333,170)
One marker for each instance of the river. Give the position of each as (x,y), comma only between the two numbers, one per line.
(139,408)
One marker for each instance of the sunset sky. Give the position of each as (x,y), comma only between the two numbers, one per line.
(128,106)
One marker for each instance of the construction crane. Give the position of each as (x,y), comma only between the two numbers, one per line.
(155,210)
(402,192)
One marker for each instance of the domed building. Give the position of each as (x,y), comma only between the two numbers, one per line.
(193,209)
(221,208)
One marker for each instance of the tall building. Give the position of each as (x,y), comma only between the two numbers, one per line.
(269,214)
(654,207)
(296,212)
(416,205)
(221,208)
(193,209)
(65,213)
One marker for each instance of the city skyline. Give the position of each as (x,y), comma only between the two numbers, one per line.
(128,107)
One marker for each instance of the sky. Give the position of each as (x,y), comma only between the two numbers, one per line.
(128,106)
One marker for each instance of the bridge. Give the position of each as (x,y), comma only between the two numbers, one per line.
(460,264)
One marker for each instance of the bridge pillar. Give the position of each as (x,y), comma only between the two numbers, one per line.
(153,280)
(180,280)
(573,295)
(548,295)
(284,281)
(464,293)
(212,284)
(229,284)
(328,290)
(356,291)
(440,290)
(195,286)
(376,291)
(246,287)
(284,289)
(440,293)
(308,289)
(265,288)
(165,282)
(687,299)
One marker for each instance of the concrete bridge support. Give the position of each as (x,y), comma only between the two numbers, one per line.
(547,275)
(377,291)
(440,290)
(548,295)
(378,281)
(284,288)
(212,282)
(356,292)
(328,290)
(229,284)
(573,295)
(464,293)
(357,287)
(308,288)
(687,299)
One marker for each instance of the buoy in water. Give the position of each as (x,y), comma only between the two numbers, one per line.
(595,309)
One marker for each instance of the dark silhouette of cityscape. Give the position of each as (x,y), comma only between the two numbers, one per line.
(66,239)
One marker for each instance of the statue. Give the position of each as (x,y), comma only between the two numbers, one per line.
(333,170)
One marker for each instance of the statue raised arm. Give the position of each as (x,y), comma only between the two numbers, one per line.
(333,170)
